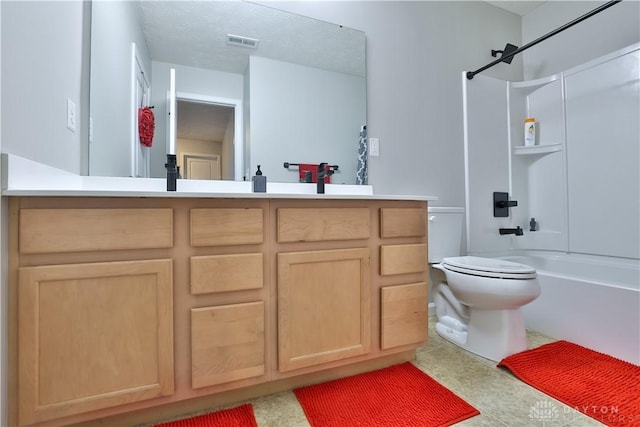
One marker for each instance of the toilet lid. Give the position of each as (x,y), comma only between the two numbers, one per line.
(489,267)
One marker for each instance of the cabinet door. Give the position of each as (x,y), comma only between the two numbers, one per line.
(227,343)
(404,314)
(93,336)
(324,311)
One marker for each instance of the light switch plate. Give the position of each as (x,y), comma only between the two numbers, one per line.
(71,115)
(374,147)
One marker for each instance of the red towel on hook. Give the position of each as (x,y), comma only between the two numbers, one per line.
(303,168)
(146,126)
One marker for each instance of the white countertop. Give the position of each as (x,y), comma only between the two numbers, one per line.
(23,177)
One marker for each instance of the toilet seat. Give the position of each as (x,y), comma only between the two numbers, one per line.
(489,267)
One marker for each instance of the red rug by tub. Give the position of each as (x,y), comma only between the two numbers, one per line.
(400,395)
(240,416)
(600,386)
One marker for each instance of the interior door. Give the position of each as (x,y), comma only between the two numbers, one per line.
(202,167)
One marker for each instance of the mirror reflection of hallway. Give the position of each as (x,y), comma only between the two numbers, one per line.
(205,140)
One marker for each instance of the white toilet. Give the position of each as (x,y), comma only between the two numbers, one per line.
(478,301)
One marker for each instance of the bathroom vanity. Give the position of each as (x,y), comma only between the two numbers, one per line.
(139,308)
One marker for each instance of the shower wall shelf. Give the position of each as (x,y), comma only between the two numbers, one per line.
(537,149)
(531,85)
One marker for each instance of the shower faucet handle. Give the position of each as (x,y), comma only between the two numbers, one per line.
(501,204)
(507,204)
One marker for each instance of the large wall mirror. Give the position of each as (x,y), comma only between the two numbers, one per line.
(233,85)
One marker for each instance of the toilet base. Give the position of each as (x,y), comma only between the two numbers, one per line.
(450,332)
(492,334)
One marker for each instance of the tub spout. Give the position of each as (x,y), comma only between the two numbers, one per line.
(517,231)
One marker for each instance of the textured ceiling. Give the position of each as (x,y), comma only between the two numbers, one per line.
(518,7)
(194,33)
(201,121)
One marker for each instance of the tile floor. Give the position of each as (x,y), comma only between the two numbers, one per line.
(501,399)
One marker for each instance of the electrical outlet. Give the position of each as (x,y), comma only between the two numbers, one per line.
(374,147)
(71,115)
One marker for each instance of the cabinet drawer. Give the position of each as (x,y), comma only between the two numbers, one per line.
(311,225)
(402,259)
(219,227)
(404,314)
(224,273)
(73,230)
(227,343)
(403,222)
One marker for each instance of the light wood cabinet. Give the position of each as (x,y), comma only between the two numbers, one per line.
(93,336)
(228,334)
(79,230)
(324,312)
(226,273)
(404,305)
(323,224)
(402,259)
(403,222)
(226,226)
(404,314)
(121,308)
(227,343)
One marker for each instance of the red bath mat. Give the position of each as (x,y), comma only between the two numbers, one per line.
(600,386)
(400,395)
(240,416)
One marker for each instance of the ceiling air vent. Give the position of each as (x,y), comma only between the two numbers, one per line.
(242,41)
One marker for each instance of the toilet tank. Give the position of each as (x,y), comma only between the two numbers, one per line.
(445,226)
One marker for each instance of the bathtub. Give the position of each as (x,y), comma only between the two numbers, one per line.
(592,301)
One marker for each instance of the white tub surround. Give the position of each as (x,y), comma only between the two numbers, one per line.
(587,144)
(24,177)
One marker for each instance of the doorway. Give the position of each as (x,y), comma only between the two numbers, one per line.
(205,135)
(196,166)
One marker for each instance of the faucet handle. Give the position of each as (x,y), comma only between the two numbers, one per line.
(507,204)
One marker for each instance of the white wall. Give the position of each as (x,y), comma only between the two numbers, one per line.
(610,30)
(114,25)
(321,109)
(416,51)
(487,161)
(45,61)
(43,65)
(228,161)
(4,251)
(189,80)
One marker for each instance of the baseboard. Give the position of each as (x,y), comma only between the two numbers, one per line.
(432,309)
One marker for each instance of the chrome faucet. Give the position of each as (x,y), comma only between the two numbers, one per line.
(517,231)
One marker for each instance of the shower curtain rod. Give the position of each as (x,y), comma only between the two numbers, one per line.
(471,74)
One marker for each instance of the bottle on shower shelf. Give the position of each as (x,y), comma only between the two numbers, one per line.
(533,225)
(529,132)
